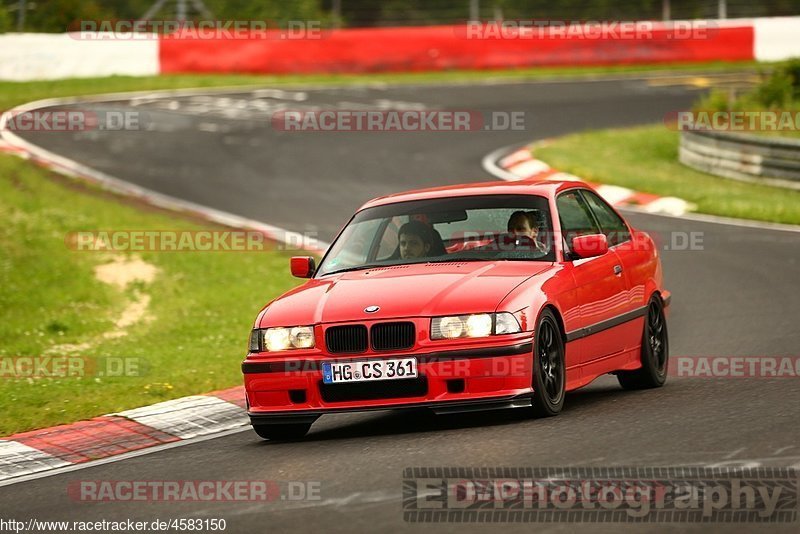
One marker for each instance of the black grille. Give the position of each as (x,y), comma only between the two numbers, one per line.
(384,389)
(346,339)
(392,336)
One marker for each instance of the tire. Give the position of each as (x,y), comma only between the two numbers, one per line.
(549,370)
(282,432)
(654,353)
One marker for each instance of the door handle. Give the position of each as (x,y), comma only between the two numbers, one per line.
(618,270)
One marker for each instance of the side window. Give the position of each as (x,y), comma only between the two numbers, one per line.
(575,216)
(611,224)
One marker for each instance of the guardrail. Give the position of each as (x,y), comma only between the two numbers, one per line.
(752,158)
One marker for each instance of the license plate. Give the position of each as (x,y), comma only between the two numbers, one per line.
(369,370)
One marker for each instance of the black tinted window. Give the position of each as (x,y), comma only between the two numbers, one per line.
(611,224)
(576,218)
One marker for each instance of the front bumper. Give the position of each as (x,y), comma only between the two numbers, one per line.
(291,390)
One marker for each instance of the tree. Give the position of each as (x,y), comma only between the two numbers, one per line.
(5,19)
(62,15)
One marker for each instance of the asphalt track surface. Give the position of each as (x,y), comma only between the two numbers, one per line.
(737,296)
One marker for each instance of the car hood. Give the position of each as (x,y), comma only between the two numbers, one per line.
(424,290)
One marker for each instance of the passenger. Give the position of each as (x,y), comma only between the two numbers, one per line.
(415,240)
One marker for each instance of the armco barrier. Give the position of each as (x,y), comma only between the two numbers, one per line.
(446,47)
(53,56)
(748,157)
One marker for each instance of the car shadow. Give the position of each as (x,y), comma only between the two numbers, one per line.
(416,421)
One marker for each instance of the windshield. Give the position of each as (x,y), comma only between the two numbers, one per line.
(477,228)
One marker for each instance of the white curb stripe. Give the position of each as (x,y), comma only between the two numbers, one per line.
(17,459)
(565,176)
(668,205)
(190,417)
(529,168)
(523,154)
(515,166)
(614,194)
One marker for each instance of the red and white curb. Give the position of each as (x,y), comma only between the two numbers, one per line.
(522,165)
(124,432)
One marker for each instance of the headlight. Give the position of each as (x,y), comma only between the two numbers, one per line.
(506,323)
(276,339)
(476,325)
(449,327)
(283,338)
(301,337)
(479,325)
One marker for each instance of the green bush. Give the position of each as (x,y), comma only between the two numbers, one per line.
(778,90)
(792,69)
(5,20)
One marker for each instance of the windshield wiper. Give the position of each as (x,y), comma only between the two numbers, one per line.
(356,268)
(423,262)
(450,260)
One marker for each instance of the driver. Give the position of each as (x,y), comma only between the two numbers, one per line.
(524,224)
(415,240)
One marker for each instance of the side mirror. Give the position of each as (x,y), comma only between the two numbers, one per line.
(303,266)
(589,246)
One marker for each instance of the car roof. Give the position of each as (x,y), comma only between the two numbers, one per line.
(545,188)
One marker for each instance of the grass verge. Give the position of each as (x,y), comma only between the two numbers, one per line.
(195,330)
(646,159)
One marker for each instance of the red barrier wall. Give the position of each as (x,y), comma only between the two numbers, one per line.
(441,48)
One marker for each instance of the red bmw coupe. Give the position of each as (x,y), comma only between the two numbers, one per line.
(460,298)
